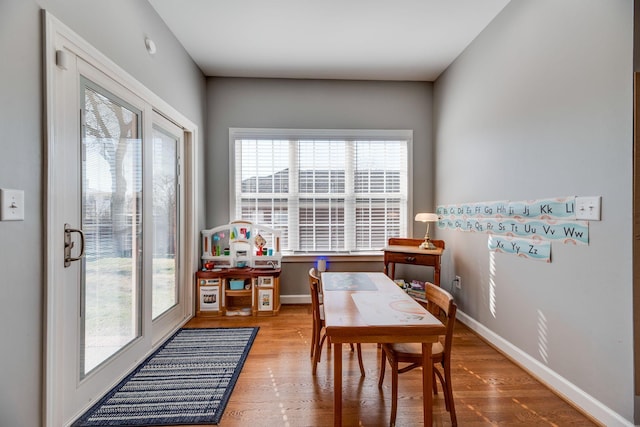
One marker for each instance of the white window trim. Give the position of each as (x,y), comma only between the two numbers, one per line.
(290,133)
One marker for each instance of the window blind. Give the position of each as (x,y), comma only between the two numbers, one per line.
(326,191)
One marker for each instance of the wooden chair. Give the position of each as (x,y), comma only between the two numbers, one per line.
(440,303)
(318,336)
(317,312)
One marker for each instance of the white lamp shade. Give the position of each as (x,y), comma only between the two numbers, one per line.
(427,217)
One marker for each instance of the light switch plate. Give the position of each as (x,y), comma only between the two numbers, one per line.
(588,208)
(11,205)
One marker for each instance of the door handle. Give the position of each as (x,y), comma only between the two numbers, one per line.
(68,244)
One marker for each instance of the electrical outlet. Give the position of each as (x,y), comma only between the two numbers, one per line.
(588,208)
(458,282)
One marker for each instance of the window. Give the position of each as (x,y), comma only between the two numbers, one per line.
(325,190)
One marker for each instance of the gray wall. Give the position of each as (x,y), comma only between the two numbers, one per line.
(116,28)
(636,36)
(314,104)
(540,105)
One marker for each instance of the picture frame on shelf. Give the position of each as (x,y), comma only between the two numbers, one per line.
(265,281)
(265,299)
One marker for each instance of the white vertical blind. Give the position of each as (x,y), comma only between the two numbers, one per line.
(329,191)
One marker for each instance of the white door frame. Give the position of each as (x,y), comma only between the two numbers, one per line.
(60,43)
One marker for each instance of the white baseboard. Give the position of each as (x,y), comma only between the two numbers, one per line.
(569,391)
(295,299)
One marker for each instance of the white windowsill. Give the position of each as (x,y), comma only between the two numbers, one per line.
(372,256)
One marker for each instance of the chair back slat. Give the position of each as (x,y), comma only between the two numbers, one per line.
(441,305)
(314,290)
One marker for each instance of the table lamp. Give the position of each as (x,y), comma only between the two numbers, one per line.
(428,218)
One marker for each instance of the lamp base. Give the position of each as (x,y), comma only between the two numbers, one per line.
(427,245)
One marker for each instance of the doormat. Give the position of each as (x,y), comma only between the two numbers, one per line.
(188,380)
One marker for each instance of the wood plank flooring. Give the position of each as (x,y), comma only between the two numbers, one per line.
(276,387)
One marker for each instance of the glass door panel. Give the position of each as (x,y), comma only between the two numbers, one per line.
(112,223)
(166,193)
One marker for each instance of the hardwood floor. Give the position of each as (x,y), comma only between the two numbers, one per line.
(276,387)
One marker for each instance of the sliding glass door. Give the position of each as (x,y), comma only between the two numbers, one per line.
(117,280)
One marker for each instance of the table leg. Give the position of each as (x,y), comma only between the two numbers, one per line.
(337,384)
(427,378)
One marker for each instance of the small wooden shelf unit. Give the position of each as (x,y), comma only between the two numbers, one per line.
(260,295)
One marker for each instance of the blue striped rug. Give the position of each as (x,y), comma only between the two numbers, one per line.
(188,380)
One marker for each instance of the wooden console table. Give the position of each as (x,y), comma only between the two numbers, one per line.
(407,251)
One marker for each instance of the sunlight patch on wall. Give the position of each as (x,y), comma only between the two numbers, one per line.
(492,283)
(542,337)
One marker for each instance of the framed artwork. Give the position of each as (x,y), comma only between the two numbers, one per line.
(265,281)
(265,300)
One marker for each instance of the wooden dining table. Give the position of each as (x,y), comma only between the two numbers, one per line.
(362,307)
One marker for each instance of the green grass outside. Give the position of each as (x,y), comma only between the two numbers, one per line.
(110,300)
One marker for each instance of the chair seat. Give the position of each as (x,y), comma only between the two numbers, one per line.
(410,350)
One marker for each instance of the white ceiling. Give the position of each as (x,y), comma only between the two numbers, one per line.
(326,39)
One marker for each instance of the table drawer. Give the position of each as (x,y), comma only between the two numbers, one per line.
(405,258)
